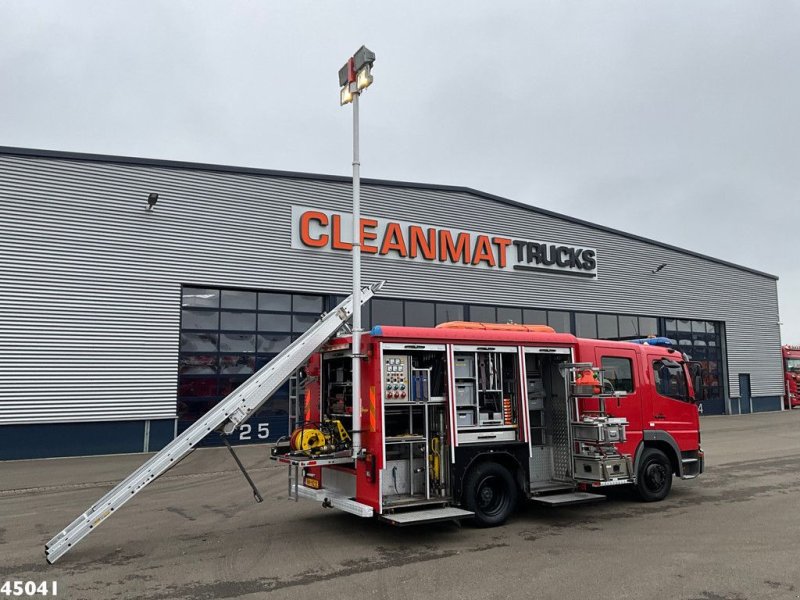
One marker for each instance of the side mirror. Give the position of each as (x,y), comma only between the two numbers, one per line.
(697,381)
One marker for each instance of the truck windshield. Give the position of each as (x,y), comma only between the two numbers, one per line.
(670,380)
(793,364)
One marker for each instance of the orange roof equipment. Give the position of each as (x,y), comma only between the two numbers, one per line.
(495,327)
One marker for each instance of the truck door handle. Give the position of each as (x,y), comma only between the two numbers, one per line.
(659,416)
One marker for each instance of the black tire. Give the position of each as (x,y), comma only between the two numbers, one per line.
(491,493)
(654,478)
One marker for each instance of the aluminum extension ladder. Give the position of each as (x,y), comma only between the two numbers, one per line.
(233,410)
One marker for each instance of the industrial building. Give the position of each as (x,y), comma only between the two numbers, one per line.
(136,293)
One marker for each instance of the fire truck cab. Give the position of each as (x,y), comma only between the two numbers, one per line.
(791,375)
(464,419)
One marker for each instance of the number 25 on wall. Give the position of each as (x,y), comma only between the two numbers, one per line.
(262,432)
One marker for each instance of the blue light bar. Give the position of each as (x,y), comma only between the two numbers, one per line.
(656,341)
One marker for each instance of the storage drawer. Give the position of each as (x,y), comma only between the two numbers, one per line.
(609,433)
(465,418)
(601,469)
(463,366)
(465,394)
(475,437)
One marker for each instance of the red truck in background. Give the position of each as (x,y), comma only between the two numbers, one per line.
(791,375)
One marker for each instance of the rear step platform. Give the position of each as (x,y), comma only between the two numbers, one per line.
(431,515)
(567,499)
(548,487)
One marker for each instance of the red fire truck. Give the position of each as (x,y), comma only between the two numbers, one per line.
(463,419)
(791,373)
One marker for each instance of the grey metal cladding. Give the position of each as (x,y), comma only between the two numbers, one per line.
(90,309)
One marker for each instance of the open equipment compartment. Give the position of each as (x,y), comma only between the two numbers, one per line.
(415,424)
(548,408)
(336,400)
(487,393)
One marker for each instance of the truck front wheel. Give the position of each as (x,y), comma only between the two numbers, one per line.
(491,493)
(654,479)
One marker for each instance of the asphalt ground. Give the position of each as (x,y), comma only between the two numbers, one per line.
(732,534)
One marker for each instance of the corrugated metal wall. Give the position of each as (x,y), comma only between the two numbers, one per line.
(90,303)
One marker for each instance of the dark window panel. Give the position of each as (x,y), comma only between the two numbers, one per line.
(272,343)
(449,312)
(387,312)
(607,327)
(366,322)
(236,364)
(586,325)
(239,299)
(202,297)
(698,326)
(197,387)
(648,326)
(199,319)
(237,342)
(671,325)
(229,384)
(532,316)
(307,303)
(198,364)
(191,410)
(482,314)
(278,404)
(559,321)
(684,325)
(198,342)
(628,326)
(334,301)
(506,314)
(301,323)
(274,322)
(237,321)
(273,301)
(420,314)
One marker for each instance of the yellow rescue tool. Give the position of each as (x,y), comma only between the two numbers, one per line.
(329,436)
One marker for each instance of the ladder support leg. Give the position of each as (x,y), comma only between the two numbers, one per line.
(242,469)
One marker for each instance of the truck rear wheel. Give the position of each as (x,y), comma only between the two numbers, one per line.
(654,478)
(491,493)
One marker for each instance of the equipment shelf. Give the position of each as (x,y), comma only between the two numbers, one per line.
(313,461)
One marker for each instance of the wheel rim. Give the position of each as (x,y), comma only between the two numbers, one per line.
(491,496)
(655,477)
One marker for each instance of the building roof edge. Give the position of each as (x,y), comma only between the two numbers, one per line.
(174,164)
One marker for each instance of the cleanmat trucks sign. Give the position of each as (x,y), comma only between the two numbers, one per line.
(331,231)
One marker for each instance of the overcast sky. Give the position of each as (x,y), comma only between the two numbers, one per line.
(677,120)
